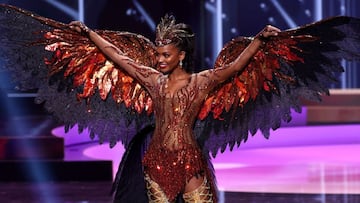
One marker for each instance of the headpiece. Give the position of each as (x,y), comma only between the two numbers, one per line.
(167,31)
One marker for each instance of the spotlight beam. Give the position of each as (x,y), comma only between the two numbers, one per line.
(318,7)
(291,23)
(150,22)
(217,27)
(66,9)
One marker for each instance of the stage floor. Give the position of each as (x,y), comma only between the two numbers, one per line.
(312,164)
(295,160)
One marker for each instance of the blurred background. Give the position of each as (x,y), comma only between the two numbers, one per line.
(215,22)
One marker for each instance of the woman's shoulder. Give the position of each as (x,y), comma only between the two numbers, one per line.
(205,73)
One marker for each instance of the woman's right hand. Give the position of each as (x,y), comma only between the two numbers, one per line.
(267,32)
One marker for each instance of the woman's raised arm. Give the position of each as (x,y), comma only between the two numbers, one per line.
(144,74)
(221,74)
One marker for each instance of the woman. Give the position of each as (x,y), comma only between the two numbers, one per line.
(254,84)
(173,162)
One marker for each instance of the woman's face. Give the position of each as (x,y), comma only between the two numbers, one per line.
(168,58)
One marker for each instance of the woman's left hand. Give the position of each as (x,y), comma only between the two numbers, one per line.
(79,27)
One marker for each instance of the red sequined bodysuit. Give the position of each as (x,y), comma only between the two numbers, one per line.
(173,156)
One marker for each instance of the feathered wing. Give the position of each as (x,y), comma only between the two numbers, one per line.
(78,84)
(299,63)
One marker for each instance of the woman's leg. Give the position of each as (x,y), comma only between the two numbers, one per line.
(198,190)
(154,192)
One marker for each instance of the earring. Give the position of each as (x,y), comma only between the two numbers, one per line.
(180,63)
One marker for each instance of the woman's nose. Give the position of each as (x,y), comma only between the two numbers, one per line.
(160,59)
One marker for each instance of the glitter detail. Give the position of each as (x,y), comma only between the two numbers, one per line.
(174,156)
(172,169)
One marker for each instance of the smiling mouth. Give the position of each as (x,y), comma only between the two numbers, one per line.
(162,66)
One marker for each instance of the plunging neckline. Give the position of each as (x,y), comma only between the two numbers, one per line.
(168,94)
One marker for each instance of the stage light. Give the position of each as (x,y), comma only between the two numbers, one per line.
(342,9)
(271,20)
(234,31)
(264,7)
(130,12)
